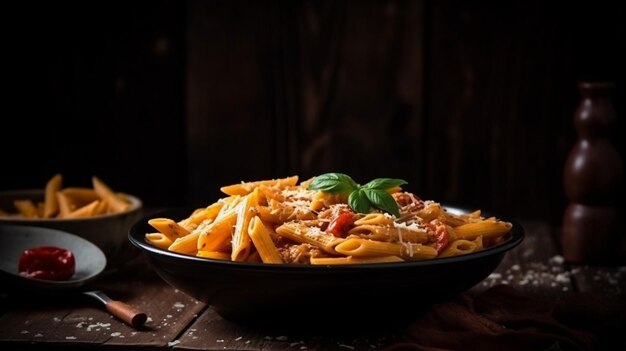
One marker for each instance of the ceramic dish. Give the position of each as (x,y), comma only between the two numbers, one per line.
(289,295)
(90,260)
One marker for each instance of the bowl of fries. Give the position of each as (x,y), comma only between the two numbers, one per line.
(96,213)
(278,254)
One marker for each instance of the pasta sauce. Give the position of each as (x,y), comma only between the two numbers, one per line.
(47,263)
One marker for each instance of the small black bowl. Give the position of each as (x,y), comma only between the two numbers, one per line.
(293,296)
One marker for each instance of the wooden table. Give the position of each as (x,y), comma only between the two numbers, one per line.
(176,321)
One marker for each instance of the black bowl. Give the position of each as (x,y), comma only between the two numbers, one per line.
(295,296)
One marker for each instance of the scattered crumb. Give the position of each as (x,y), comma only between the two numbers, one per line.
(97,326)
(558,259)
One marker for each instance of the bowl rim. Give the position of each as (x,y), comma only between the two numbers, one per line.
(137,238)
(136,204)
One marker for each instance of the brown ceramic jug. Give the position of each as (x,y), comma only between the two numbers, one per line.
(592,180)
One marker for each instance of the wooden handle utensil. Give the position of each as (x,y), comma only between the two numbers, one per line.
(129,314)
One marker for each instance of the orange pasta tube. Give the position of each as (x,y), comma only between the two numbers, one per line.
(371,248)
(169,228)
(241,237)
(159,240)
(247,187)
(51,205)
(216,255)
(462,247)
(216,235)
(487,229)
(210,212)
(263,242)
(65,206)
(353,260)
(185,245)
(84,211)
(26,208)
(116,203)
(310,235)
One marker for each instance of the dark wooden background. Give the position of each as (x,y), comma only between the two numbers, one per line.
(471,103)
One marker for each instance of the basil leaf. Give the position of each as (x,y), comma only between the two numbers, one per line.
(335,183)
(384,183)
(382,200)
(361,198)
(345,179)
(359,202)
(331,186)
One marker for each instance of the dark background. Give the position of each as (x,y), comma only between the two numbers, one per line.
(471,103)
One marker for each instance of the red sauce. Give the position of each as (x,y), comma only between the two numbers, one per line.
(47,263)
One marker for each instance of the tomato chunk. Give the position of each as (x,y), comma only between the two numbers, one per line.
(48,263)
(341,224)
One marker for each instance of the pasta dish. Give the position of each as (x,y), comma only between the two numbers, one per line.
(326,220)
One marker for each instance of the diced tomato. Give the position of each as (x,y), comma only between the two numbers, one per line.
(47,262)
(340,226)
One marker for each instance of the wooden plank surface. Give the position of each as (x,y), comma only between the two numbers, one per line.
(535,266)
(178,322)
(212,332)
(609,282)
(73,319)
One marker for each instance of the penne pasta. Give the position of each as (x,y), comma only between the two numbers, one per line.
(215,236)
(241,237)
(487,229)
(216,255)
(354,260)
(188,244)
(263,242)
(245,188)
(396,232)
(462,247)
(51,205)
(85,211)
(309,235)
(168,227)
(279,222)
(159,240)
(115,202)
(81,195)
(65,204)
(375,219)
(372,248)
(200,215)
(26,208)
(71,202)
